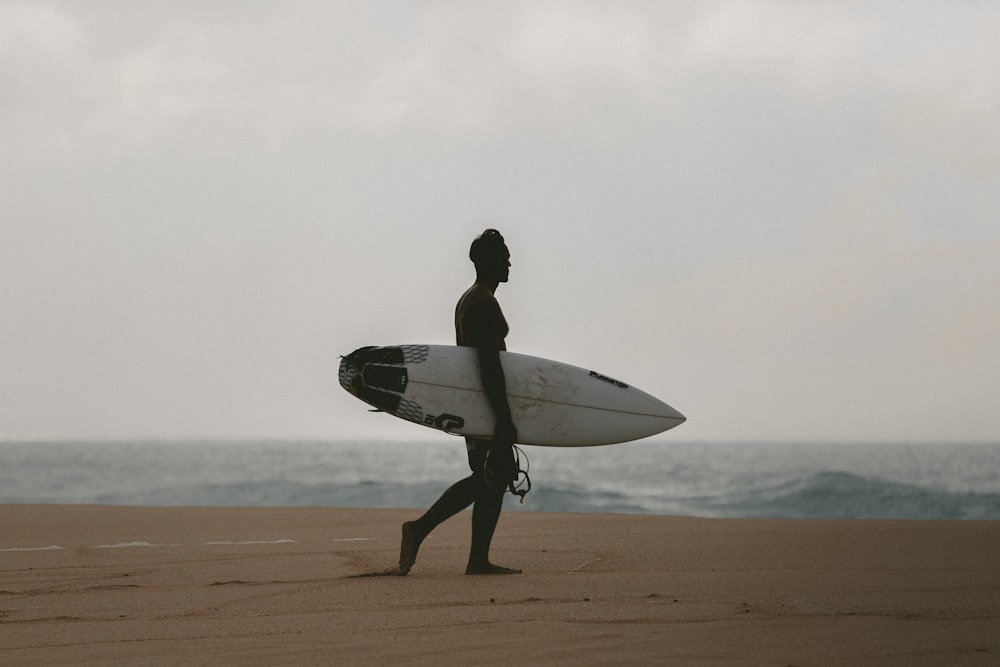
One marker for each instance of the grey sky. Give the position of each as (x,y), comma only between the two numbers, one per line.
(781,217)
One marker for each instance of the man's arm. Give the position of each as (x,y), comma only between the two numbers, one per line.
(480,324)
(495,384)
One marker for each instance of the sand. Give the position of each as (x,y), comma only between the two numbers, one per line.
(267,586)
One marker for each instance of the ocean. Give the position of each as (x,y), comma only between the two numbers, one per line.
(778,480)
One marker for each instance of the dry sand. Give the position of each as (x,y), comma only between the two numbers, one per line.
(267,586)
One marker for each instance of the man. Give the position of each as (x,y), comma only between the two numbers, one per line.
(479,323)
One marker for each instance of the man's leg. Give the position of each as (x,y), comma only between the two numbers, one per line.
(459,495)
(485,514)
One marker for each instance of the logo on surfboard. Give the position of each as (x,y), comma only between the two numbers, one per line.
(605,378)
(445,422)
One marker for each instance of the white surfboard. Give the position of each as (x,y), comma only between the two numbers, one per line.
(552,403)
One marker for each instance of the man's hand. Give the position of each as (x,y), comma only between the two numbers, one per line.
(502,462)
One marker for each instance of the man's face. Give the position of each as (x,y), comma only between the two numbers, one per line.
(503,265)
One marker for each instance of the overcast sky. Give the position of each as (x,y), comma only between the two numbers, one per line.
(781,218)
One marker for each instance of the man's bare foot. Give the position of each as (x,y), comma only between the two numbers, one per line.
(408,548)
(490,568)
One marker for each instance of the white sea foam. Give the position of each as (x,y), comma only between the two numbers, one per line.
(48,548)
(142,544)
(355,539)
(125,545)
(226,542)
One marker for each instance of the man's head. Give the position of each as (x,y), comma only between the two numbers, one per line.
(490,255)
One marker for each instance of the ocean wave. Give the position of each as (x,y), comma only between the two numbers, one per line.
(824,495)
(834,494)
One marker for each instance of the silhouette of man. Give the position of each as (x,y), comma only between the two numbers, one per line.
(479,323)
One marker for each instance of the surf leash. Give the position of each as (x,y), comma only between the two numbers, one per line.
(521,484)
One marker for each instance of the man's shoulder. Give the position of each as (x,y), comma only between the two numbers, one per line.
(477,297)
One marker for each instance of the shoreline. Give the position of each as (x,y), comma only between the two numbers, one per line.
(87,584)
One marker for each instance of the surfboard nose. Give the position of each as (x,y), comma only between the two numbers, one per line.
(673,413)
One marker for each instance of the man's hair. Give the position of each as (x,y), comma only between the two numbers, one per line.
(487,246)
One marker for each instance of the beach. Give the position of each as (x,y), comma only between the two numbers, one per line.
(107,585)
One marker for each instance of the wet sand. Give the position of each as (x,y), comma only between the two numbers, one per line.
(263,586)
